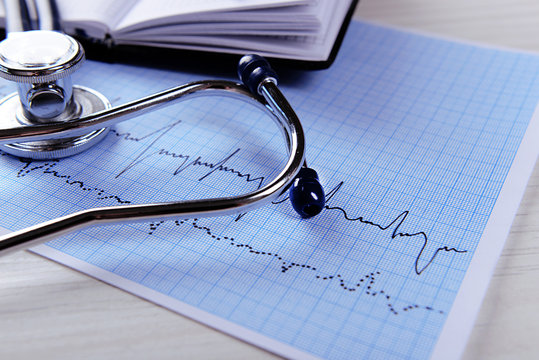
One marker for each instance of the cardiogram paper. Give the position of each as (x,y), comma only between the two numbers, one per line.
(412,137)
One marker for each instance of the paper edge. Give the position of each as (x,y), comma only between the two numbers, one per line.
(461,318)
(216,322)
(456,330)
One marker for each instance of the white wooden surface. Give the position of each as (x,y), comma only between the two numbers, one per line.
(48,311)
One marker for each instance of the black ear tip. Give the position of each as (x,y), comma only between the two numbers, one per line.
(253,69)
(306,194)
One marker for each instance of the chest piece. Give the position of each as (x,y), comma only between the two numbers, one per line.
(41,63)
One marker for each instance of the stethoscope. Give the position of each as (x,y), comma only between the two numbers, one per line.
(49,117)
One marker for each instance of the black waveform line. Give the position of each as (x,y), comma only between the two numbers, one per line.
(398,221)
(47,168)
(219,166)
(185,160)
(367,282)
(395,224)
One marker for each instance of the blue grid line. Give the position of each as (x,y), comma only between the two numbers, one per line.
(408,123)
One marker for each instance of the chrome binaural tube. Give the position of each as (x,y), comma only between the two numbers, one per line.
(288,121)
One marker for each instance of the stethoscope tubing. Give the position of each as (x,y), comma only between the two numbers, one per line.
(278,107)
(128,111)
(306,193)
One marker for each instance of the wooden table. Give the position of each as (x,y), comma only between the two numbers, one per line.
(49,311)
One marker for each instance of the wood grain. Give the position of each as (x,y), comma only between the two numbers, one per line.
(48,311)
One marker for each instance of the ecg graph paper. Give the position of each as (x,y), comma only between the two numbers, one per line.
(412,137)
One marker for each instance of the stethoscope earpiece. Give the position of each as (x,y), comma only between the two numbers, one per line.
(253,70)
(306,193)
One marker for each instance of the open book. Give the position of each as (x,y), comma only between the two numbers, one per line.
(305,30)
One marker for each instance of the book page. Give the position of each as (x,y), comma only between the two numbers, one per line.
(170,32)
(96,17)
(290,17)
(150,11)
(423,145)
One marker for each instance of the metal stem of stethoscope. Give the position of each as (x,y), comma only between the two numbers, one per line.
(45,116)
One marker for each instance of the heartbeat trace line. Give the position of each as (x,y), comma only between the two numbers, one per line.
(367,282)
(47,168)
(185,162)
(396,224)
(399,221)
